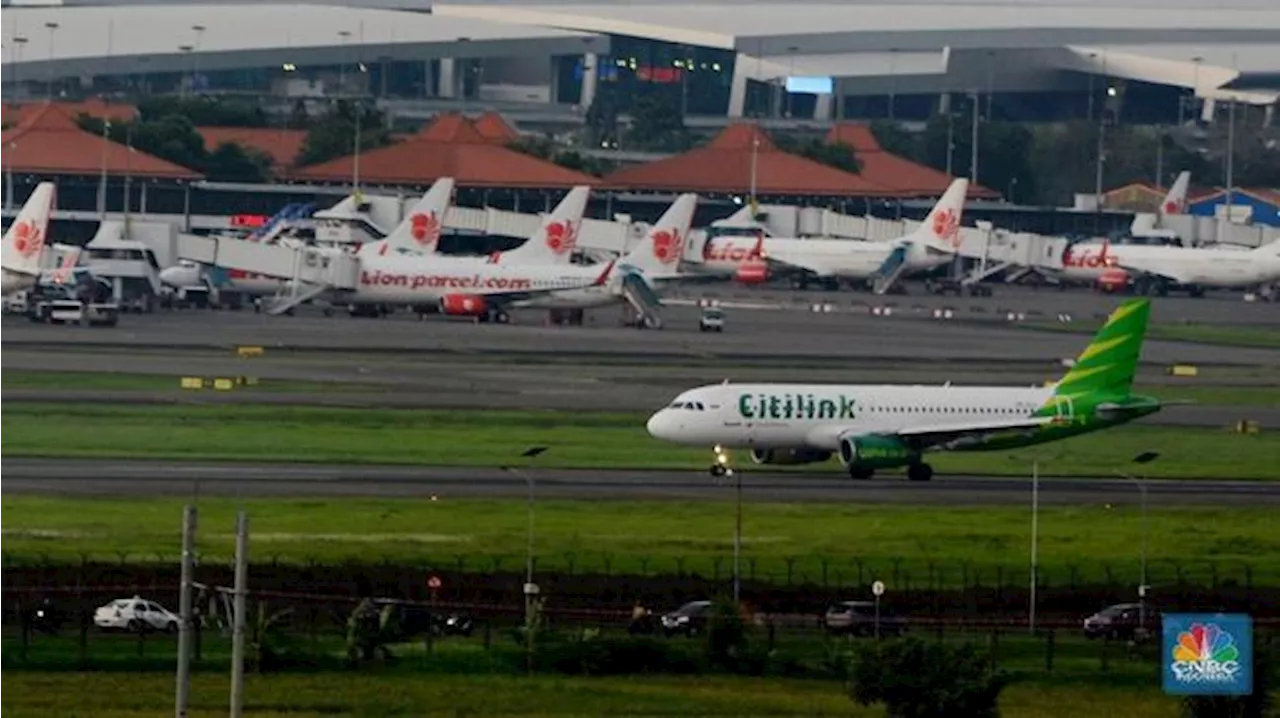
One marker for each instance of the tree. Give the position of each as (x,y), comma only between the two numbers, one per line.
(657,123)
(174,138)
(838,155)
(602,118)
(334,134)
(896,140)
(544,147)
(925,679)
(205,111)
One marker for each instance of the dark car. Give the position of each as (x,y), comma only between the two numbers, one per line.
(1121,621)
(47,617)
(690,619)
(859,619)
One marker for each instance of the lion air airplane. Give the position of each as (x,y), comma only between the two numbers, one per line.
(24,242)
(1093,261)
(552,243)
(752,260)
(656,259)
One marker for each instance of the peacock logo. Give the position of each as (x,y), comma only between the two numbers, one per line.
(1205,653)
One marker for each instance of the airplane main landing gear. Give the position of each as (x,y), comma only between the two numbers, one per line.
(857,472)
(919,472)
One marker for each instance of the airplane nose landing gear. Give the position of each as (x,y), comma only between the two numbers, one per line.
(720,468)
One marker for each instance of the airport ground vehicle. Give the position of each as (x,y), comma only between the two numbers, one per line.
(136,615)
(712,320)
(74,311)
(858,618)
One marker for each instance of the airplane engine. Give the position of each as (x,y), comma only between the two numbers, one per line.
(756,273)
(874,452)
(784,457)
(1113,279)
(463,305)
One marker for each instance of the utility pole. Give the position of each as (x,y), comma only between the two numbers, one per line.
(737,545)
(238,615)
(184,610)
(1035,539)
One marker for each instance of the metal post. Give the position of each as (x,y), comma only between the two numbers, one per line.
(1160,158)
(737,546)
(1035,537)
(184,609)
(1142,587)
(238,615)
(355,166)
(1231,157)
(528,579)
(755,152)
(973,160)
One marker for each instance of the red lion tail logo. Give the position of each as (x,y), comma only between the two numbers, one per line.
(946,225)
(1171,207)
(425,228)
(562,236)
(27,238)
(667,244)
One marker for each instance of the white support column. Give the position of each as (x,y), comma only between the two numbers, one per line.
(822,108)
(738,90)
(590,74)
(448,80)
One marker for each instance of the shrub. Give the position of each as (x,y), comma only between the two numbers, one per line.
(1255,705)
(919,679)
(590,654)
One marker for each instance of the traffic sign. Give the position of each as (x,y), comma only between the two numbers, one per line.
(433,582)
(877,588)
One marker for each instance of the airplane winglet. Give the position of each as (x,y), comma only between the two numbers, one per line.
(604,276)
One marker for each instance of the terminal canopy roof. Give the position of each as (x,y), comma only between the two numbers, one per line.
(47,141)
(906,178)
(727,164)
(450,146)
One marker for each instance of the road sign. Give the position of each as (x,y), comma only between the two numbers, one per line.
(433,582)
(877,588)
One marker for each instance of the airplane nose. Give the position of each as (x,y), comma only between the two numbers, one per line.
(659,425)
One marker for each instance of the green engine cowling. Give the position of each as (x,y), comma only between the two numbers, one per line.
(870,451)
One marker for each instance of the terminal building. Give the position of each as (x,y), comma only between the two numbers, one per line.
(1161,61)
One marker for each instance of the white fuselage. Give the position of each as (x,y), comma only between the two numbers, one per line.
(837,258)
(1206,267)
(815,416)
(17,282)
(408,279)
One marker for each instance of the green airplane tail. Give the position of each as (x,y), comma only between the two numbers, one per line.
(1107,366)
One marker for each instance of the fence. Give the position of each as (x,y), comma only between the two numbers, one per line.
(789,584)
(308,631)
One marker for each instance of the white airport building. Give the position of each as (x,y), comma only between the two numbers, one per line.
(802,61)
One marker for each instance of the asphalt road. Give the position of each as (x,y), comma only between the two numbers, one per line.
(150,478)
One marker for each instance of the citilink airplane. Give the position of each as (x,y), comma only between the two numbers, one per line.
(871,427)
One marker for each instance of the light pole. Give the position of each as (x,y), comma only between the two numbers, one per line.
(1035,541)
(530,588)
(342,61)
(722,461)
(186,54)
(195,57)
(53,29)
(1142,459)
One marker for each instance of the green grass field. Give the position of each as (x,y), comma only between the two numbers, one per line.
(1185,390)
(898,544)
(579,439)
(1226,335)
(382,694)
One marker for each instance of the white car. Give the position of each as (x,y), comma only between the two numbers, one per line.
(136,614)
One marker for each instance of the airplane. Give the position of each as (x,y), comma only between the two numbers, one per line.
(1157,268)
(872,427)
(1091,261)
(552,243)
(464,286)
(655,259)
(752,260)
(24,242)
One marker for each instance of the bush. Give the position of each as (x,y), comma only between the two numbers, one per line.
(589,654)
(726,634)
(919,679)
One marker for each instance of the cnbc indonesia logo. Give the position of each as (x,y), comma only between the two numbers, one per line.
(1208,656)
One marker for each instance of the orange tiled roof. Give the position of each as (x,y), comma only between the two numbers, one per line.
(898,173)
(492,126)
(451,146)
(282,145)
(16,113)
(49,142)
(724,166)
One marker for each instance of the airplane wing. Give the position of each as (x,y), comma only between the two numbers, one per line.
(784,264)
(940,436)
(1136,270)
(504,298)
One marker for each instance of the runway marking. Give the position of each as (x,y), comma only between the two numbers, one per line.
(361,537)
